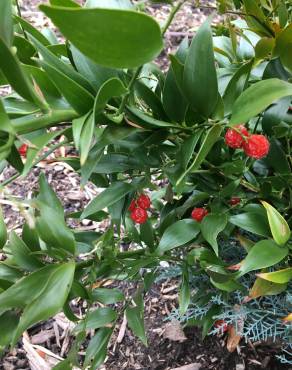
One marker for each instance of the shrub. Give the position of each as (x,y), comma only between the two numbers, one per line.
(215,130)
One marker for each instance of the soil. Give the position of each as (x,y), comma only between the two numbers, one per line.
(45,344)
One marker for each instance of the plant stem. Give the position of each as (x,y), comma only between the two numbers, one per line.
(172,14)
(19,14)
(131,84)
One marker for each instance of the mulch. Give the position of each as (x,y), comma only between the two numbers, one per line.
(46,343)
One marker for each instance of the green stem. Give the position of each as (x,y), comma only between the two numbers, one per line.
(20,16)
(37,121)
(131,84)
(172,14)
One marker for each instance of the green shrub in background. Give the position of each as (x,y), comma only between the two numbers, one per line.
(215,129)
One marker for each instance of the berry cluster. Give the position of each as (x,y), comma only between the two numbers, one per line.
(199,213)
(254,146)
(138,209)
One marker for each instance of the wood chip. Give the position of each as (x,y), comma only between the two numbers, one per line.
(194,366)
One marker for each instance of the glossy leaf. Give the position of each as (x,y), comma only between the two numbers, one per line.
(107,296)
(280,276)
(79,98)
(184,292)
(95,73)
(135,318)
(210,139)
(6,24)
(109,89)
(96,350)
(5,123)
(108,197)
(253,222)
(86,138)
(174,102)
(14,74)
(96,319)
(178,234)
(65,3)
(26,289)
(257,98)
(127,39)
(264,254)
(8,324)
(53,230)
(32,31)
(200,79)
(279,227)
(51,299)
(211,226)
(22,254)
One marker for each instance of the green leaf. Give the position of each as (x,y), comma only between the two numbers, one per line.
(32,31)
(109,89)
(6,24)
(211,226)
(178,234)
(279,227)
(86,138)
(227,286)
(111,4)
(5,124)
(52,60)
(3,230)
(210,139)
(9,273)
(22,254)
(184,292)
(235,86)
(109,196)
(77,126)
(257,98)
(53,230)
(51,299)
(8,324)
(280,276)
(127,39)
(200,79)
(65,3)
(95,73)
(263,254)
(174,102)
(107,296)
(63,365)
(26,289)
(78,97)
(147,235)
(15,75)
(252,222)
(97,319)
(135,318)
(96,350)
(264,47)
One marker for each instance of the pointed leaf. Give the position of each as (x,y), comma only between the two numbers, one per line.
(127,39)
(279,227)
(211,226)
(200,79)
(135,318)
(280,276)
(263,254)
(257,98)
(3,230)
(6,24)
(178,234)
(108,197)
(50,301)
(96,350)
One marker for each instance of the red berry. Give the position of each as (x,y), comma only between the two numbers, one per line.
(199,213)
(22,150)
(234,139)
(143,201)
(139,215)
(256,146)
(234,201)
(221,324)
(133,205)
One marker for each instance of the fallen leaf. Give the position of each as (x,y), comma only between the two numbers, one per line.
(173,331)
